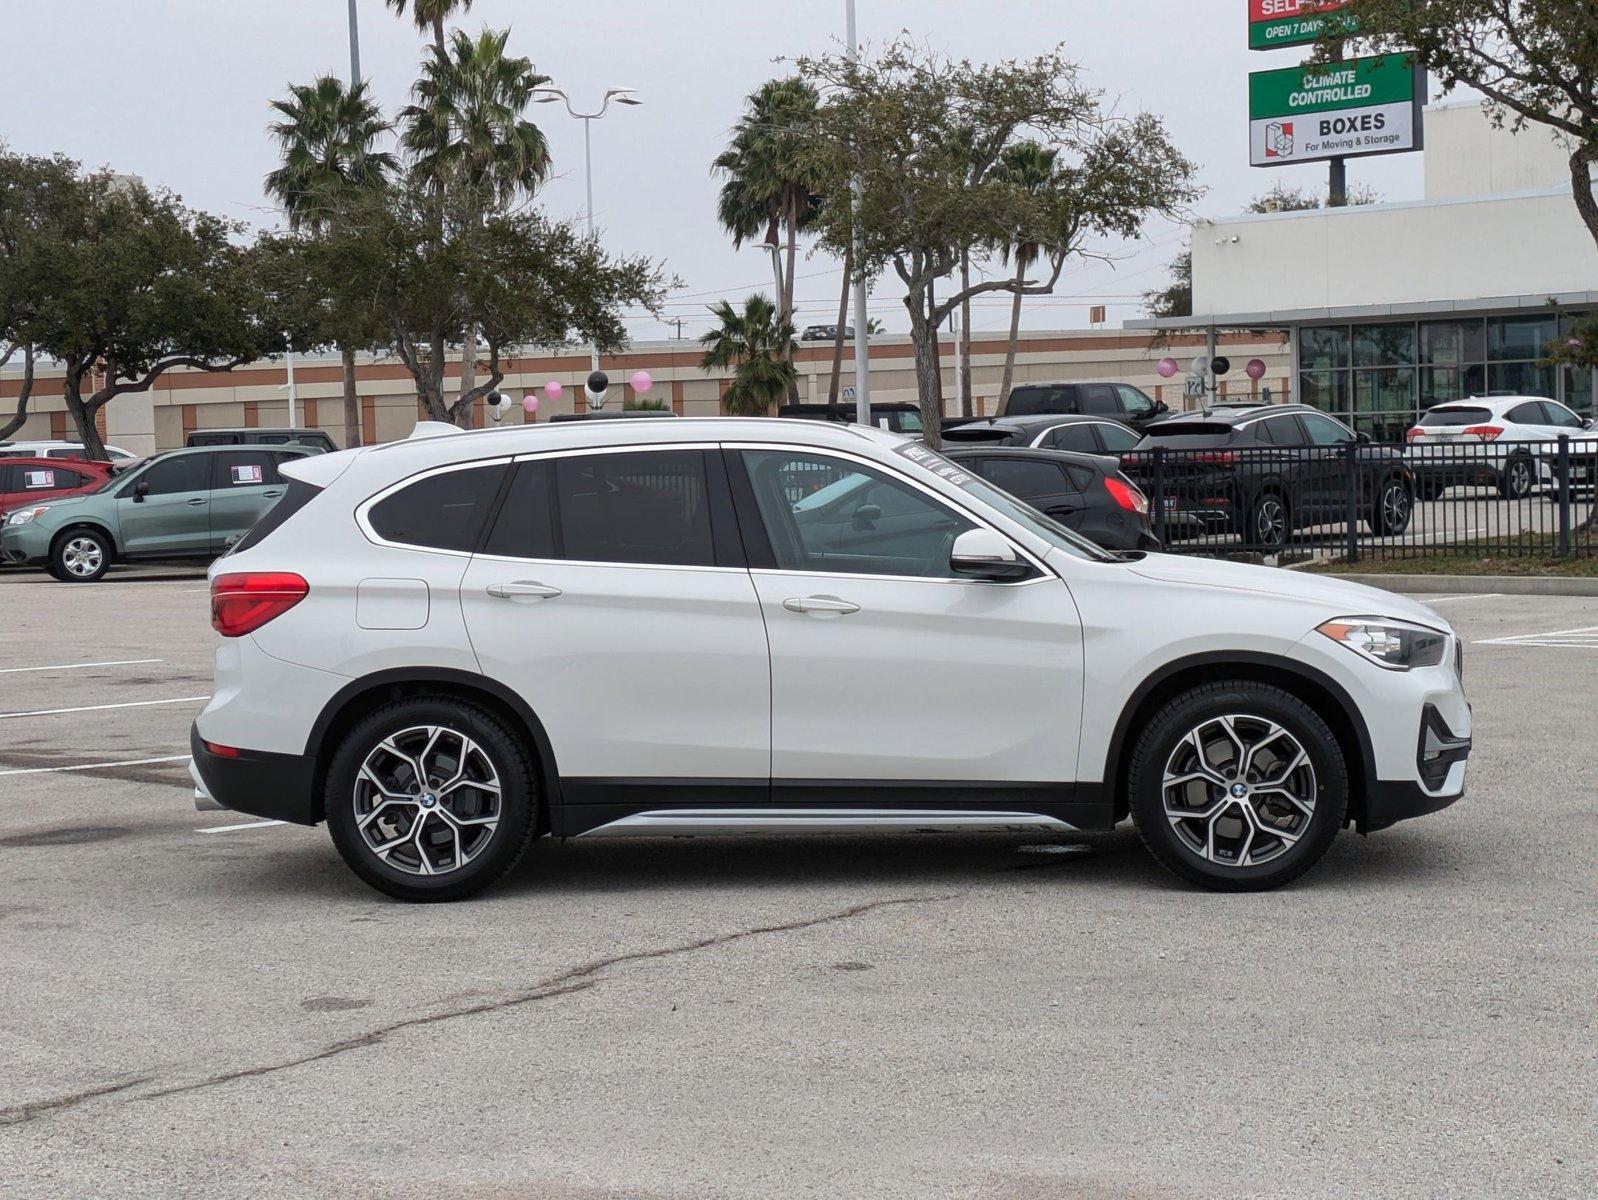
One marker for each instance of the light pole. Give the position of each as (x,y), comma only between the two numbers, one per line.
(617,95)
(862,322)
(355,47)
(289,387)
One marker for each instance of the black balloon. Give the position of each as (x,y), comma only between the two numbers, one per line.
(1221,366)
(598,383)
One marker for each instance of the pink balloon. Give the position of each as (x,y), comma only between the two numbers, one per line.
(1167,368)
(553,389)
(529,404)
(1256,368)
(642,381)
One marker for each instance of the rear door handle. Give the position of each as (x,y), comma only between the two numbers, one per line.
(272,495)
(523,589)
(820,604)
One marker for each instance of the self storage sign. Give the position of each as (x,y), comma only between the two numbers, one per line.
(1273,23)
(1335,110)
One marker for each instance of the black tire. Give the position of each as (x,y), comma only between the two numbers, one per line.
(1395,505)
(1164,738)
(1270,521)
(1428,490)
(80,556)
(502,752)
(1518,478)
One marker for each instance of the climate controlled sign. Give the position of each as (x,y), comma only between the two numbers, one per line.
(1273,23)
(1335,110)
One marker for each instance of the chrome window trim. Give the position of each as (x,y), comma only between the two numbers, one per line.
(1038,443)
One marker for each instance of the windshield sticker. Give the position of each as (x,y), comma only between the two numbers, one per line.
(932,461)
(38,479)
(250,474)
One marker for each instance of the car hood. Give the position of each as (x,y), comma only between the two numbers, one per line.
(1340,596)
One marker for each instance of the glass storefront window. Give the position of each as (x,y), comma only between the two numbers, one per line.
(1452,343)
(1325,390)
(1388,345)
(1384,402)
(1578,390)
(1520,337)
(1324,347)
(1439,385)
(1523,379)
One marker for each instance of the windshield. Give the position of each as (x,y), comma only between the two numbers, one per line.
(1024,515)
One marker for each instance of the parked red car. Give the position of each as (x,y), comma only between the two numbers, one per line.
(26,479)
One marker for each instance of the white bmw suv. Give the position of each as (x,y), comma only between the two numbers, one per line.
(449,646)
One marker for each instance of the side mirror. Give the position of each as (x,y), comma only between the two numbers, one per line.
(986,555)
(1364,439)
(1161,408)
(866,517)
(1590,423)
(140,491)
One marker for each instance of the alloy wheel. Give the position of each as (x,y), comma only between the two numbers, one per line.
(1239,790)
(1519,479)
(1270,522)
(427,800)
(82,556)
(1395,508)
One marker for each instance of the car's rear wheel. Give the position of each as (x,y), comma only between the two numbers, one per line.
(1517,479)
(1394,507)
(1237,786)
(80,556)
(1269,521)
(431,799)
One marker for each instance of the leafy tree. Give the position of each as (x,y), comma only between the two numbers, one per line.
(137,284)
(430,14)
(328,139)
(467,134)
(1535,62)
(1031,166)
(524,279)
(923,134)
(36,198)
(757,344)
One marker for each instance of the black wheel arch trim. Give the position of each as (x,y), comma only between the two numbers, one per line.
(1363,778)
(396,679)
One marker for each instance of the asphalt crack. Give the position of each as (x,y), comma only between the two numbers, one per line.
(568,982)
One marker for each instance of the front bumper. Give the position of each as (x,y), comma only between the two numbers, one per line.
(24,544)
(1440,756)
(278,787)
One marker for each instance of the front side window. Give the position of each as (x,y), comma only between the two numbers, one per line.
(649,507)
(445,511)
(830,516)
(1118,439)
(1561,416)
(1136,404)
(1323,431)
(169,476)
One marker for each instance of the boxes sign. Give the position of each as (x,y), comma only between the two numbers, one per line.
(1273,23)
(1335,110)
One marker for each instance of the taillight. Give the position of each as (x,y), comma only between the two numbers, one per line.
(1127,496)
(1487,433)
(1415,434)
(243,601)
(1219,458)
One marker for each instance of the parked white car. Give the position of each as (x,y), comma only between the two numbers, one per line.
(53,448)
(449,646)
(1494,441)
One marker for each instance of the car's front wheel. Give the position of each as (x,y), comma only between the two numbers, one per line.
(1518,478)
(80,556)
(431,799)
(1395,504)
(1270,521)
(1238,786)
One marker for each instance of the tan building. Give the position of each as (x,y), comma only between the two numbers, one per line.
(185,400)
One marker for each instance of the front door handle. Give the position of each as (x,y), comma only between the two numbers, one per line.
(820,604)
(523,589)
(195,503)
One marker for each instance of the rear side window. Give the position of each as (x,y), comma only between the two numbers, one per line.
(1455,416)
(1099,399)
(1074,437)
(295,498)
(647,507)
(441,512)
(245,468)
(39,479)
(1035,401)
(1025,479)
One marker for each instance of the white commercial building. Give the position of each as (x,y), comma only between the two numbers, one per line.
(1394,307)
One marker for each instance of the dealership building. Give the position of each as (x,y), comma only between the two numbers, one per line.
(1391,308)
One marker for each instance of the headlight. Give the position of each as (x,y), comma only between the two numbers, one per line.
(1396,645)
(23,515)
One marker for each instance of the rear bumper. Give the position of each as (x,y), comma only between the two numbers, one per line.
(279,787)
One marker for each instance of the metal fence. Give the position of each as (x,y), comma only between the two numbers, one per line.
(1497,498)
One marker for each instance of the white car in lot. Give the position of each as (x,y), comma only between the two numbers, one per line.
(449,646)
(1498,441)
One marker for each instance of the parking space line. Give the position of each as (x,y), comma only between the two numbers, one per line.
(1585,638)
(126,762)
(53,712)
(1472,596)
(231,828)
(120,662)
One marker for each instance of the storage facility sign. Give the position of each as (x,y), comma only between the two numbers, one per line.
(1273,23)
(1335,110)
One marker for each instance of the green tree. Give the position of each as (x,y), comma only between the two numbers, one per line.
(923,133)
(327,139)
(430,15)
(1534,61)
(37,196)
(1030,166)
(469,138)
(757,345)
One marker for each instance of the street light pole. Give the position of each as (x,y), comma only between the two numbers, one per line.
(618,95)
(293,396)
(355,47)
(862,322)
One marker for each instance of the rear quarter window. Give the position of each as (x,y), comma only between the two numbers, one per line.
(441,512)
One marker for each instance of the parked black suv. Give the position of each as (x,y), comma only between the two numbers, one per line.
(1119,401)
(313,440)
(1084,492)
(1264,474)
(896,416)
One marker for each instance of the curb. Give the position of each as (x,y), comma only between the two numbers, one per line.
(1474,585)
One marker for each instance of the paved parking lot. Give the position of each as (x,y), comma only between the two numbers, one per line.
(198,1004)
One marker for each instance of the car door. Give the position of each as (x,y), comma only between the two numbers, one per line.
(244,484)
(890,672)
(612,596)
(164,510)
(1325,471)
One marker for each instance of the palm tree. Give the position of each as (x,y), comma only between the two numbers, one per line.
(431,14)
(758,345)
(327,139)
(1030,166)
(468,137)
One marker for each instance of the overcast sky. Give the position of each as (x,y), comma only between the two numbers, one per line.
(176,91)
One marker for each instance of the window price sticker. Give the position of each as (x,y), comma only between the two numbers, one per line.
(249,474)
(38,479)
